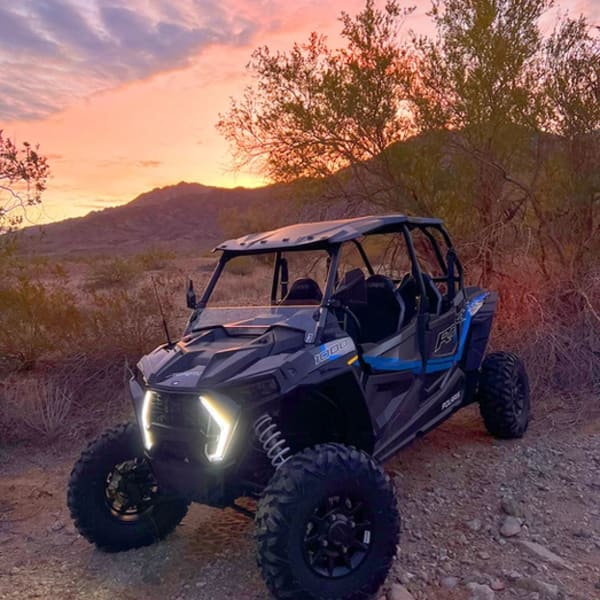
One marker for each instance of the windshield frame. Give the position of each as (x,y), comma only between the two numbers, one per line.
(333,252)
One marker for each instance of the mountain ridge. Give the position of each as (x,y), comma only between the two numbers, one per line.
(183,217)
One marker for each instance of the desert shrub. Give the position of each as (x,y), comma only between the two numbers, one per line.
(154,259)
(127,322)
(554,326)
(37,404)
(37,319)
(117,272)
(242,265)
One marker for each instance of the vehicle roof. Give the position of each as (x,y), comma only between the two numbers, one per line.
(320,234)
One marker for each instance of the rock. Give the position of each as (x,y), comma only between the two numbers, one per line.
(449,582)
(511,508)
(510,527)
(480,592)
(497,584)
(583,533)
(512,575)
(405,577)
(546,590)
(474,525)
(484,555)
(57,526)
(399,592)
(546,555)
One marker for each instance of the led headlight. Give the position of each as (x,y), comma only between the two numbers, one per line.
(146,433)
(223,413)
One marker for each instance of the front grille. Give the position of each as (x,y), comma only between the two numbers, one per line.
(178,410)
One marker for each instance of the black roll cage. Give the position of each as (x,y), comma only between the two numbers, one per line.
(450,266)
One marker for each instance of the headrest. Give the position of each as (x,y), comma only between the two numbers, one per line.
(352,289)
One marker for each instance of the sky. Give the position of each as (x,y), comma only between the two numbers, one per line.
(123,95)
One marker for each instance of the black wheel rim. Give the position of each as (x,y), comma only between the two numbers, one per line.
(337,537)
(131,489)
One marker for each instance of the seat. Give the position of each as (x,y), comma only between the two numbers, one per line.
(385,309)
(303,291)
(351,293)
(407,291)
(434,296)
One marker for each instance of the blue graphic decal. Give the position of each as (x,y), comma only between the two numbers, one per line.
(433,365)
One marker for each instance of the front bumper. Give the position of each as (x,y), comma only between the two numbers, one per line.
(179,434)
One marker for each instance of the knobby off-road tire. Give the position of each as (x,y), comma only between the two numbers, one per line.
(93,511)
(504,395)
(327,493)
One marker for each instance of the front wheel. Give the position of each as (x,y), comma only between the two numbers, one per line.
(327,526)
(504,395)
(114,498)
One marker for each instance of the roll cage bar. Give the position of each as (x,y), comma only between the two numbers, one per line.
(450,265)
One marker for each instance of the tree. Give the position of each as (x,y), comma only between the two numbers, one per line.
(571,209)
(23,175)
(499,88)
(329,115)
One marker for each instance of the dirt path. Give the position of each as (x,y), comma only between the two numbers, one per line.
(456,488)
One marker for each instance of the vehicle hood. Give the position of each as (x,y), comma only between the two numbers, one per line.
(220,354)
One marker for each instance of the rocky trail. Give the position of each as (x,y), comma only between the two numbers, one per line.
(482,519)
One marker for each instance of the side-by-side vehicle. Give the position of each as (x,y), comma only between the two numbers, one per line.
(367,338)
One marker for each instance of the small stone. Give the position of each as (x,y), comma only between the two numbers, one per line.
(546,555)
(511,508)
(474,525)
(405,577)
(449,582)
(399,592)
(583,533)
(497,584)
(510,527)
(512,575)
(484,555)
(547,590)
(480,592)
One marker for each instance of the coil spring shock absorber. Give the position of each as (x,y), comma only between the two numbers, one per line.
(272,440)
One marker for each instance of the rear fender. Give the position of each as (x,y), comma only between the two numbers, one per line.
(479,333)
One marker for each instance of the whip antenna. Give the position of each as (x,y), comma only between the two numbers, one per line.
(162,314)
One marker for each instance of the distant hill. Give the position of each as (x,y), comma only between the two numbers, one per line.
(187,217)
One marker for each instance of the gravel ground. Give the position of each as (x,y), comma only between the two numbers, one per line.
(482,520)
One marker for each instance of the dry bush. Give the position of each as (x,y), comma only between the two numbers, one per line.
(555,327)
(117,272)
(37,404)
(155,259)
(249,289)
(37,320)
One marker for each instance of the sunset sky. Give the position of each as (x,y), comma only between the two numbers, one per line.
(123,95)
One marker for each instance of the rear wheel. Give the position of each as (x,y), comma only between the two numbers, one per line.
(114,498)
(327,526)
(504,395)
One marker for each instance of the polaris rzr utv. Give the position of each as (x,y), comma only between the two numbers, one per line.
(366,339)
